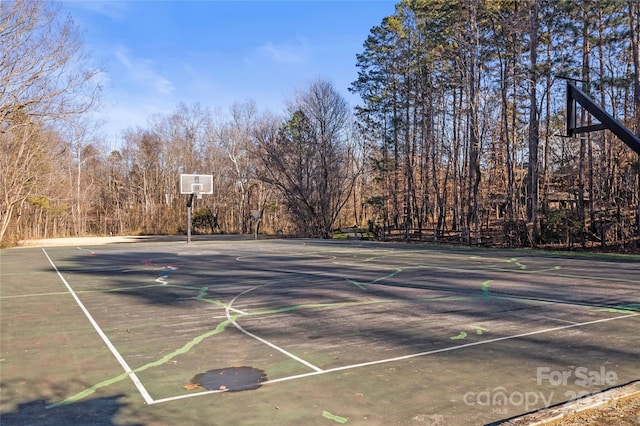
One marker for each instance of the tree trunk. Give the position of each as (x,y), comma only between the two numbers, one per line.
(534,134)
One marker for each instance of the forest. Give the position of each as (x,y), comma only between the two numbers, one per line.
(460,136)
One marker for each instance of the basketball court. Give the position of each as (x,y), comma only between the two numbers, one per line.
(231,331)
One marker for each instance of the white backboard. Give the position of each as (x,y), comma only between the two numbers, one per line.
(192,184)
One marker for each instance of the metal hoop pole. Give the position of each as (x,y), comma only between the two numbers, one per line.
(189,203)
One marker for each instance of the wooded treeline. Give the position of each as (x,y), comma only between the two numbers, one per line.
(463,108)
(459,135)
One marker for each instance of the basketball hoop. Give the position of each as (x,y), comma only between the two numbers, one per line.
(194,185)
(256,216)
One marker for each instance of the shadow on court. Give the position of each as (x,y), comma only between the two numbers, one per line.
(366,332)
(35,409)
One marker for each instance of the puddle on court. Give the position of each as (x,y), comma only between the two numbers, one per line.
(231,379)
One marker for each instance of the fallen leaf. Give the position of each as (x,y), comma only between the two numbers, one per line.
(192,387)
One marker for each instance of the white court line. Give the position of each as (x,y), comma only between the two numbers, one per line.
(123,363)
(317,370)
(279,349)
(229,308)
(404,357)
(260,339)
(452,348)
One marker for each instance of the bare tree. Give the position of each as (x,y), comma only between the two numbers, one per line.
(634,27)
(42,68)
(534,125)
(235,137)
(634,32)
(308,159)
(43,78)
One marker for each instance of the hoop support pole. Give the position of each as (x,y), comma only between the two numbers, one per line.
(189,204)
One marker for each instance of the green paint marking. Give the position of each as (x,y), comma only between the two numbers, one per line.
(215,302)
(184,349)
(337,419)
(612,310)
(56,293)
(517,262)
(460,336)
(620,309)
(397,271)
(317,305)
(219,329)
(485,288)
(77,397)
(357,284)
(110,290)
(551,271)
(346,304)
(631,307)
(202,292)
(479,330)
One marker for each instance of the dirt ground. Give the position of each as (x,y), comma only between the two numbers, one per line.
(618,406)
(623,412)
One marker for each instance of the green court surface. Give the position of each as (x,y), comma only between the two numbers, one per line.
(347,332)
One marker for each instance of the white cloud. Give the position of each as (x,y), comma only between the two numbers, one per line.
(115,10)
(197,81)
(103,79)
(118,116)
(141,71)
(286,53)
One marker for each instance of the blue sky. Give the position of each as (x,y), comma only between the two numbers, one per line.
(156,54)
